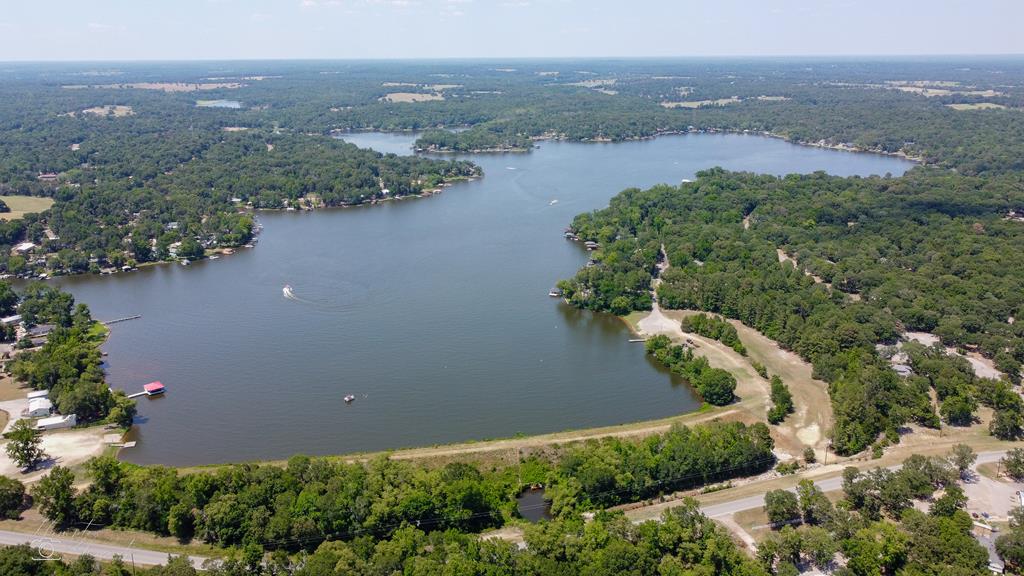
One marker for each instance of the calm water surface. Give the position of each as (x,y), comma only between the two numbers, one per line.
(433,312)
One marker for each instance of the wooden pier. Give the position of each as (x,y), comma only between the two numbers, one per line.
(125,319)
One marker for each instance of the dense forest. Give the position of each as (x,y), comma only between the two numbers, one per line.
(68,363)
(311,501)
(932,251)
(683,542)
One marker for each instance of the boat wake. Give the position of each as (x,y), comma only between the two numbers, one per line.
(289,294)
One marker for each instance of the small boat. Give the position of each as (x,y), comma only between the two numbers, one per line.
(185,262)
(553,202)
(555,293)
(287,291)
(349,399)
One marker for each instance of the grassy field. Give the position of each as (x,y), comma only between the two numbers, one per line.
(21,205)
(978,106)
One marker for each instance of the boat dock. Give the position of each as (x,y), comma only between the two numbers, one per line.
(125,319)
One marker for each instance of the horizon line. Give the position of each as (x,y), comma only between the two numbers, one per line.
(849,56)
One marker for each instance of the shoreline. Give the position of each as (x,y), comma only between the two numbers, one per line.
(603,140)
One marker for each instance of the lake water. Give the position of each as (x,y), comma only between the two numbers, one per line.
(433,312)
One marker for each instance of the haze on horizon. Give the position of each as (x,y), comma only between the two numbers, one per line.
(348,29)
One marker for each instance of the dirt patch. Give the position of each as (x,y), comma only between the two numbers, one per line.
(983,367)
(163,86)
(700,103)
(21,205)
(993,497)
(115,110)
(409,97)
(65,447)
(977,106)
(12,390)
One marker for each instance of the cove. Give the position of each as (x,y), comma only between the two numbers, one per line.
(432,312)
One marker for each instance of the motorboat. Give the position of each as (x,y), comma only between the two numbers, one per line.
(349,399)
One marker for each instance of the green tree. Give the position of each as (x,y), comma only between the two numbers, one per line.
(23,445)
(55,494)
(1013,463)
(190,249)
(781,506)
(962,457)
(716,386)
(12,498)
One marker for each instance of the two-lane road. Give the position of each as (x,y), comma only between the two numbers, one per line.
(55,547)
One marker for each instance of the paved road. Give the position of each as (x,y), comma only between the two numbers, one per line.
(54,547)
(829,484)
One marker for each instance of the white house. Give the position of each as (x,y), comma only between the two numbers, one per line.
(56,422)
(24,247)
(39,407)
(38,394)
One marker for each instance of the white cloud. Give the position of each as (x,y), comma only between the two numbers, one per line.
(101,27)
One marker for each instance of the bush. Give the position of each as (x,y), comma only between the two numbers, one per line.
(12,498)
(781,506)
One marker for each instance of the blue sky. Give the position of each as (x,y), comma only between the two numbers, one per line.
(233,29)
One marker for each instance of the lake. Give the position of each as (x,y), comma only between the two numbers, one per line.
(432,312)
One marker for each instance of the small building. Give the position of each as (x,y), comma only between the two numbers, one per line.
(23,247)
(903,369)
(39,408)
(38,394)
(40,330)
(154,388)
(47,177)
(16,319)
(57,422)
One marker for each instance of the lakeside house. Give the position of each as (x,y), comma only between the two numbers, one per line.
(7,320)
(39,407)
(23,248)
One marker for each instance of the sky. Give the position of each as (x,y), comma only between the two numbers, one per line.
(349,29)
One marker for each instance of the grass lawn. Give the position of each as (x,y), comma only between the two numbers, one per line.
(98,332)
(21,205)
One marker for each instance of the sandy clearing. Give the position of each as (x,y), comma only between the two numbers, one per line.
(983,367)
(65,447)
(163,86)
(995,497)
(699,103)
(115,110)
(811,422)
(408,97)
(13,409)
(978,106)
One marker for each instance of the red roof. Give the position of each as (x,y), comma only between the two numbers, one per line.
(153,386)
